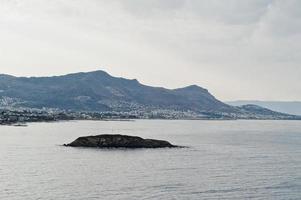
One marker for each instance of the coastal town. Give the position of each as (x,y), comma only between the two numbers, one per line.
(18,116)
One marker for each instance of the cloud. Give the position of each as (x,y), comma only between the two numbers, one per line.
(232,11)
(237,49)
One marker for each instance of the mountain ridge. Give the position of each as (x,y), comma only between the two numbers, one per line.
(98,91)
(290,107)
(97,85)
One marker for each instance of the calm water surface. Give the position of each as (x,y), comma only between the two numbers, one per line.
(226,160)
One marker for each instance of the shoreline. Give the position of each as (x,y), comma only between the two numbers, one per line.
(25,124)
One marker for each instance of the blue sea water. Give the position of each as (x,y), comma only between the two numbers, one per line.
(225,160)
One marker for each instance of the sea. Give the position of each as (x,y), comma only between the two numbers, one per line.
(241,159)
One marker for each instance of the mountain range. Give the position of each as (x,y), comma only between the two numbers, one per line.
(290,107)
(100,92)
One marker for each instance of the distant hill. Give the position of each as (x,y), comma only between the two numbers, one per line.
(98,92)
(290,107)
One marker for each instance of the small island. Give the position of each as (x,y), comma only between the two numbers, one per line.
(118,141)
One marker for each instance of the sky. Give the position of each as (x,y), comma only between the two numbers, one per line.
(236,49)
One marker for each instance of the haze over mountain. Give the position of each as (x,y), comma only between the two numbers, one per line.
(98,92)
(207,40)
(290,107)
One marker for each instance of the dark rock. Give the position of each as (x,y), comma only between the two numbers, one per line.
(118,141)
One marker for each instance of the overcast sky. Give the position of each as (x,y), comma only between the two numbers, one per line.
(237,49)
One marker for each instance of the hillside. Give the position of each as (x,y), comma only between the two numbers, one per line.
(290,107)
(100,92)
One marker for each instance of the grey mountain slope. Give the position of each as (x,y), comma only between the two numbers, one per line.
(290,107)
(258,112)
(98,91)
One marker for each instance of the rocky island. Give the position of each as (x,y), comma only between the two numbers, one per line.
(118,141)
